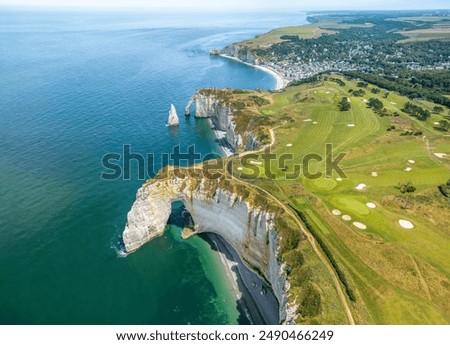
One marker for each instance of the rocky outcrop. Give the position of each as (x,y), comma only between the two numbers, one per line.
(173,117)
(250,227)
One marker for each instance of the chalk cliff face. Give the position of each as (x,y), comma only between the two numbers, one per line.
(247,226)
(211,103)
(240,52)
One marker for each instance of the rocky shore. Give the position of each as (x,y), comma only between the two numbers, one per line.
(254,296)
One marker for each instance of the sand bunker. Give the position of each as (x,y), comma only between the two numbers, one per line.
(255,162)
(411,161)
(346,217)
(374,174)
(440,155)
(408,169)
(361,186)
(336,212)
(365,100)
(314,123)
(351,125)
(307,120)
(240,168)
(339,179)
(393,103)
(289,145)
(360,225)
(406,224)
(328,92)
(436,123)
(371,205)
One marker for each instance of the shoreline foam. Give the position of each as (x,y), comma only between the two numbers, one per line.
(281,81)
(259,308)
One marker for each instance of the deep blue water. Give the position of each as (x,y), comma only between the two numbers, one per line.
(75,86)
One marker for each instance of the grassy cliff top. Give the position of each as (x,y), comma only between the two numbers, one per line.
(322,26)
(426,28)
(392,275)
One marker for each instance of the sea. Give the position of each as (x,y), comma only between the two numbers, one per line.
(76,85)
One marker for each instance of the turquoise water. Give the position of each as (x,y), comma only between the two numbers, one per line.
(74,87)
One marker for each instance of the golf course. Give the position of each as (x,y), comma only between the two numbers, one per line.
(380,219)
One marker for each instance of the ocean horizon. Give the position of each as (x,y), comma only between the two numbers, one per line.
(75,86)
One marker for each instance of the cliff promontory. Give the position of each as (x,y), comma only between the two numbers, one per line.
(247,222)
(235,113)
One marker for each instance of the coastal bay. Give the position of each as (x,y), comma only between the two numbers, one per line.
(73,90)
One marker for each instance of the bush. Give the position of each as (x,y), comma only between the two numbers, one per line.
(445,189)
(407,187)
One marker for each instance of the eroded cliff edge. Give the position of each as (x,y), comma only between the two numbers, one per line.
(234,113)
(246,221)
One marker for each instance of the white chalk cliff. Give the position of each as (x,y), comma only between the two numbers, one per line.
(250,228)
(212,104)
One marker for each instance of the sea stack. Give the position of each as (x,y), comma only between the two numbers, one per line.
(173,117)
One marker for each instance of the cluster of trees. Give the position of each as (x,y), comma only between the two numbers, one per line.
(338,81)
(344,104)
(438,110)
(292,38)
(375,104)
(412,84)
(359,93)
(443,126)
(416,111)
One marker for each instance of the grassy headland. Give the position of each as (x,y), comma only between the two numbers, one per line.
(390,275)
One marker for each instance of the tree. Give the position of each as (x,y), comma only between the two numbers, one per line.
(443,126)
(344,104)
(438,110)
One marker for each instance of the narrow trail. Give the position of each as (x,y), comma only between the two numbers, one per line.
(421,278)
(308,235)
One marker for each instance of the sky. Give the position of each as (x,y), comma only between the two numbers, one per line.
(240,4)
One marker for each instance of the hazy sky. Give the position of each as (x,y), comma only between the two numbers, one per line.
(236,4)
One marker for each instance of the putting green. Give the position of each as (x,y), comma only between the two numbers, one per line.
(351,205)
(325,184)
